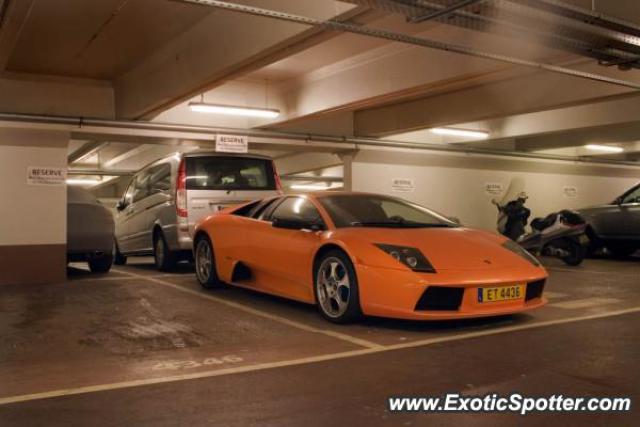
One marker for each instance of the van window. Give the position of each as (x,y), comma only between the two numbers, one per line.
(229,173)
(140,186)
(160,178)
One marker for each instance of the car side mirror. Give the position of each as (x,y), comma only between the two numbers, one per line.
(618,201)
(120,205)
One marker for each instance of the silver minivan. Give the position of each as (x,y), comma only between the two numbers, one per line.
(158,212)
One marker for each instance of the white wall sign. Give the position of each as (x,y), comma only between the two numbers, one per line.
(232,143)
(570,192)
(43,175)
(403,185)
(493,188)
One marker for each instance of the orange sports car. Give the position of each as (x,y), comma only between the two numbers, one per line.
(356,253)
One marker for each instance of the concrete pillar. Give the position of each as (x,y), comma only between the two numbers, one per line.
(347,164)
(33,206)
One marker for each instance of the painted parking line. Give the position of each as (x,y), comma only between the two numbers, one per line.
(585,303)
(306,360)
(586,271)
(555,295)
(112,278)
(344,337)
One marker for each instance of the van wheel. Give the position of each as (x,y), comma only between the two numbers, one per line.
(206,264)
(164,258)
(118,258)
(101,264)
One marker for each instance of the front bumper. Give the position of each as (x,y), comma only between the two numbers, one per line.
(396,293)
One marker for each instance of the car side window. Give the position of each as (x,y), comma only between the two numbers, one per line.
(632,197)
(160,178)
(262,209)
(297,208)
(140,186)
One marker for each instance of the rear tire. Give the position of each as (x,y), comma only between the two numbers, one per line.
(164,258)
(336,288)
(205,264)
(101,264)
(118,258)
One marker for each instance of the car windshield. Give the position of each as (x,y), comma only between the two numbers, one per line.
(362,210)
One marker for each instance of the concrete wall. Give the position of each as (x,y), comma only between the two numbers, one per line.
(33,218)
(455,184)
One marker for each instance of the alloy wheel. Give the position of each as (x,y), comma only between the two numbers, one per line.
(203,261)
(333,287)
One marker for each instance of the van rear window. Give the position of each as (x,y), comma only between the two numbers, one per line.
(229,173)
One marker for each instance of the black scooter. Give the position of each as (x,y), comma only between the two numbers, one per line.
(560,234)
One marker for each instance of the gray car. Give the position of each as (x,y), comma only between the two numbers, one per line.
(90,230)
(159,210)
(616,225)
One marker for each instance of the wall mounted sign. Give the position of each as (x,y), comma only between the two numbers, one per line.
(232,143)
(570,192)
(402,185)
(44,175)
(493,188)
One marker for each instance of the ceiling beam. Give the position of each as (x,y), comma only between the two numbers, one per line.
(482,102)
(85,151)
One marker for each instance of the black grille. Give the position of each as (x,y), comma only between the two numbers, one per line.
(440,298)
(534,290)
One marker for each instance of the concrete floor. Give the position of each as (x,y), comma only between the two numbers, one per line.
(138,347)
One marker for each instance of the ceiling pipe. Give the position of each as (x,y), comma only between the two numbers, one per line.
(101,172)
(77,124)
(403,38)
(443,12)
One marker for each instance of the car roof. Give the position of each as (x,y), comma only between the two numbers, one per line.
(325,193)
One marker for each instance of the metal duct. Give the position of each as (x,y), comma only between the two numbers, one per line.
(514,18)
(403,38)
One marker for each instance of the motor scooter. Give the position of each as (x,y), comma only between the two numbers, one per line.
(560,234)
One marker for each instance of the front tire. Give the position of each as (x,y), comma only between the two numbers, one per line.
(101,264)
(336,288)
(164,258)
(205,264)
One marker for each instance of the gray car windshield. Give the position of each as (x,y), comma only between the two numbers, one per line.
(361,210)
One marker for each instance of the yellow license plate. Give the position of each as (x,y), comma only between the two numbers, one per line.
(502,293)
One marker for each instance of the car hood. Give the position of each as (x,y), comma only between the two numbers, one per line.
(456,248)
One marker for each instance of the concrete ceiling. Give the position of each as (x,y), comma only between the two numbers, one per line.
(146,59)
(97,39)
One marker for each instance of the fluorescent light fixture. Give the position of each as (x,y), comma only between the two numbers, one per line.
(475,134)
(310,187)
(605,148)
(86,181)
(203,107)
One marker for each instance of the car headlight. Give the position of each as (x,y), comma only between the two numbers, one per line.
(519,250)
(411,257)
